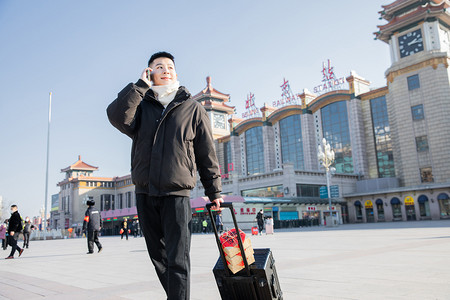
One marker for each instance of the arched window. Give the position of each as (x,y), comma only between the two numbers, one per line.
(380,209)
(444,205)
(424,206)
(358,208)
(291,141)
(396,208)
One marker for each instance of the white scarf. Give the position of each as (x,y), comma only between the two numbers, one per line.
(166,93)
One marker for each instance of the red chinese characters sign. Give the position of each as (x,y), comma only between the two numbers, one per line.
(329,80)
(287,96)
(250,106)
(248,211)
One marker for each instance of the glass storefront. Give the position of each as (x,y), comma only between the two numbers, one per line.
(396,208)
(254,151)
(444,205)
(424,206)
(382,137)
(380,209)
(291,141)
(336,131)
(270,191)
(358,209)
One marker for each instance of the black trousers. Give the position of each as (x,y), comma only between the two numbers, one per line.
(260,226)
(166,224)
(13,243)
(26,239)
(92,237)
(125,231)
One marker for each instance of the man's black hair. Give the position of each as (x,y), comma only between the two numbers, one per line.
(161,54)
(13,205)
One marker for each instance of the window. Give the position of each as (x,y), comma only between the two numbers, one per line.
(382,137)
(228,164)
(254,150)
(119,201)
(422,143)
(444,205)
(335,128)
(426,174)
(270,191)
(308,190)
(413,82)
(380,209)
(128,199)
(291,141)
(358,210)
(396,208)
(66,201)
(424,206)
(417,112)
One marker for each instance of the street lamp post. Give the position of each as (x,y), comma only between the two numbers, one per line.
(326,159)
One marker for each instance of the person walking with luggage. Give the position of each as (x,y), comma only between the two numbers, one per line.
(27,228)
(92,224)
(14,228)
(260,220)
(172,140)
(124,227)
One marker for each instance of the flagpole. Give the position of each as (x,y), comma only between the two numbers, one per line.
(46,171)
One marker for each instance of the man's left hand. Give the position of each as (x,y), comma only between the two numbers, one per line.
(216,203)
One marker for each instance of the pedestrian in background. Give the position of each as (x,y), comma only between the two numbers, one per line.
(14,228)
(205,226)
(219,223)
(5,241)
(3,235)
(27,228)
(124,228)
(260,220)
(92,224)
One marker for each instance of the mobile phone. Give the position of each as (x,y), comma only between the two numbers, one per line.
(149,75)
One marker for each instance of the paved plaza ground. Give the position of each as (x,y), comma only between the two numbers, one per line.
(405,260)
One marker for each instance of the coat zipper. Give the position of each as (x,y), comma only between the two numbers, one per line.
(165,113)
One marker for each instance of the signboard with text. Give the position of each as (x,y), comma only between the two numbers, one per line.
(330,82)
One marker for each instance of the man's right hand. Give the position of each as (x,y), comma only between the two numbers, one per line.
(145,76)
(12,233)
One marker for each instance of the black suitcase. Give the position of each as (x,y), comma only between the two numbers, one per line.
(258,281)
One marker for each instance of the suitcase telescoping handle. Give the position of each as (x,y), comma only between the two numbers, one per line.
(219,245)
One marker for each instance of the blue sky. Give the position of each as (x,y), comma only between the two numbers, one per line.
(85,52)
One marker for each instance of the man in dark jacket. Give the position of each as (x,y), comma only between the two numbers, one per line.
(92,224)
(14,228)
(172,139)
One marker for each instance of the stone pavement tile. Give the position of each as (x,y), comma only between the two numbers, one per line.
(407,260)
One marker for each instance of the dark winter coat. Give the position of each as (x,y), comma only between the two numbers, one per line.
(169,145)
(15,223)
(92,219)
(28,227)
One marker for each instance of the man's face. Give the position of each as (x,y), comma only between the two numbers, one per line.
(13,209)
(163,71)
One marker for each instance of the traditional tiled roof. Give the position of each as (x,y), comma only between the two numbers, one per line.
(210,92)
(419,13)
(80,165)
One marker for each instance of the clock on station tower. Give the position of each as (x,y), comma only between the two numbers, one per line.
(410,43)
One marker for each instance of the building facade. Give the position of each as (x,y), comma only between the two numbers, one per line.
(392,158)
